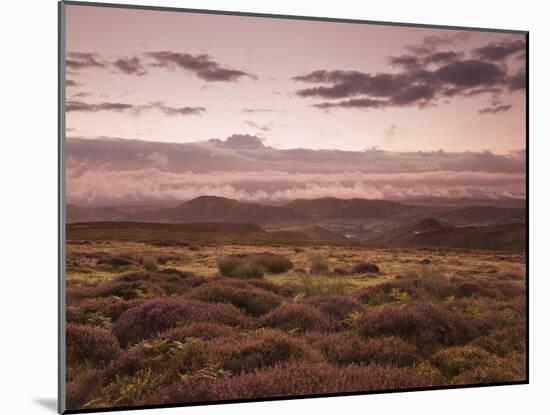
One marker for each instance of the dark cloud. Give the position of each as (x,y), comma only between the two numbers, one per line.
(470,73)
(422,79)
(80,60)
(439,57)
(406,61)
(80,106)
(352,103)
(201,65)
(130,66)
(495,109)
(500,51)
(70,82)
(171,111)
(517,81)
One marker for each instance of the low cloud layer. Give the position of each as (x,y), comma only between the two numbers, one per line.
(100,186)
(115,171)
(423,77)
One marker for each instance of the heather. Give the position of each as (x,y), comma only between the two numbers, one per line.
(234,323)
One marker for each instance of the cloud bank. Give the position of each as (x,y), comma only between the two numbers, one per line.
(115,171)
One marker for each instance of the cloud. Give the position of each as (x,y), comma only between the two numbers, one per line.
(501,50)
(406,61)
(439,57)
(157,159)
(470,73)
(257,126)
(81,106)
(103,185)
(244,152)
(352,103)
(518,81)
(171,111)
(201,65)
(430,44)
(495,109)
(258,110)
(70,82)
(80,60)
(130,66)
(422,78)
(244,142)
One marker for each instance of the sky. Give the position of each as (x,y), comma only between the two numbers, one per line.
(234,93)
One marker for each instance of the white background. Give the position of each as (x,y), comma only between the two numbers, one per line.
(28,226)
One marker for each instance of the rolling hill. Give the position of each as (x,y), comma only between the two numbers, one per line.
(309,233)
(431,233)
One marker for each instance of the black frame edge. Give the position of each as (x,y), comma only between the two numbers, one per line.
(61,303)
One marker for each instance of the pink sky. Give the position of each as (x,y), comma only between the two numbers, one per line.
(171,106)
(273,52)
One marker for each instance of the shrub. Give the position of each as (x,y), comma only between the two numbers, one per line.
(193,247)
(347,348)
(503,341)
(299,317)
(273,263)
(336,306)
(150,264)
(261,349)
(114,260)
(296,379)
(240,268)
(510,368)
(204,331)
(160,314)
(454,360)
(81,388)
(90,344)
(425,325)
(145,284)
(310,285)
(318,265)
(365,268)
(254,301)
(424,284)
(253,265)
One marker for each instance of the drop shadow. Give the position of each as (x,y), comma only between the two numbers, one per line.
(48,403)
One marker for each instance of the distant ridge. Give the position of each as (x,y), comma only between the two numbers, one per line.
(309,232)
(431,233)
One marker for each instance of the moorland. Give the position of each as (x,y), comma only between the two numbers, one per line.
(215,299)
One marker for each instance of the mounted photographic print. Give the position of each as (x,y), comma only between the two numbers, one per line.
(258,207)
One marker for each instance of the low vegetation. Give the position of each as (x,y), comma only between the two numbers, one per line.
(168,323)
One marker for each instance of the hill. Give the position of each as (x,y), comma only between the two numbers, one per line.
(310,232)
(481,215)
(431,233)
(207,208)
(331,208)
